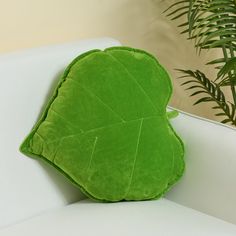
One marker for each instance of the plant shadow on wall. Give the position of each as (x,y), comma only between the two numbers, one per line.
(210,24)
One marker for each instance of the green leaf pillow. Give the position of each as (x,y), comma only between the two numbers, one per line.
(106,127)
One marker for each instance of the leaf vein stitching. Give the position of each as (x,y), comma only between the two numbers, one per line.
(99,128)
(139,85)
(66,121)
(97,97)
(92,153)
(135,158)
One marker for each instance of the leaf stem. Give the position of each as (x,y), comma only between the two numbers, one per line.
(230,76)
(226,59)
(172,114)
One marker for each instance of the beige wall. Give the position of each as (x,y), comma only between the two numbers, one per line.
(137,23)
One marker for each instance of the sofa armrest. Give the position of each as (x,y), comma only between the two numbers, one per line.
(209,182)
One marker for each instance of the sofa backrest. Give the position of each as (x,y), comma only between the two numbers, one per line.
(27,186)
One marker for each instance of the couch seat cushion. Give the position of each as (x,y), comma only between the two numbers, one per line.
(158,217)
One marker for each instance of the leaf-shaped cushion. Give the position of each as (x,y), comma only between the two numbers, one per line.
(106,127)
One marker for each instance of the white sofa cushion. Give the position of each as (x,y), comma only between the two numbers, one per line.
(151,218)
(28,187)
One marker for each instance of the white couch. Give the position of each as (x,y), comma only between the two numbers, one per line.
(37,200)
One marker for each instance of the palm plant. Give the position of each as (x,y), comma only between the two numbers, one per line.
(211,24)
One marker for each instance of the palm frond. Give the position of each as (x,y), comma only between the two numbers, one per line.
(212,93)
(229,67)
(211,23)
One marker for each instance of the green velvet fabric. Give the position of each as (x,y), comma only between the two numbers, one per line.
(106,127)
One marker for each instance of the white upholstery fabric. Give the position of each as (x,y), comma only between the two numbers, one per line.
(209,182)
(28,187)
(151,218)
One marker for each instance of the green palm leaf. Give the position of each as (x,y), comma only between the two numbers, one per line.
(229,67)
(207,19)
(212,93)
(211,24)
